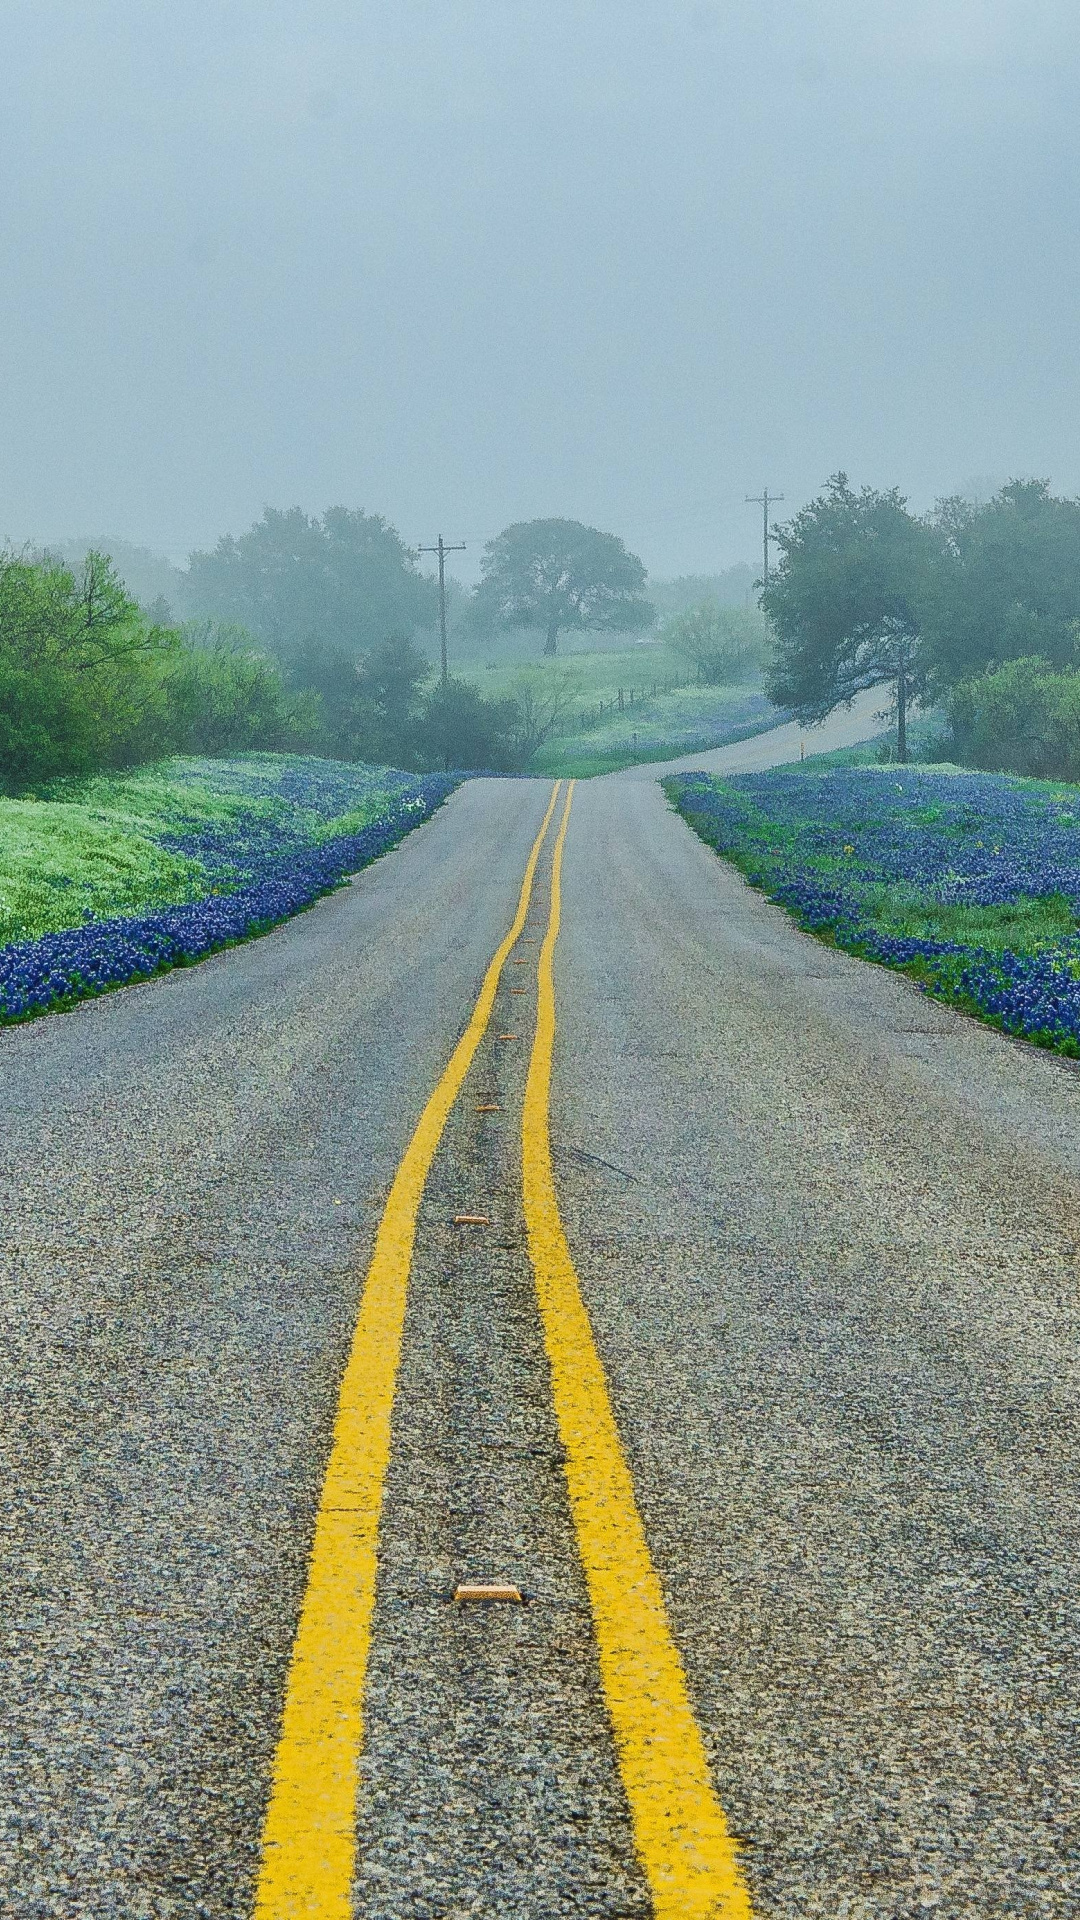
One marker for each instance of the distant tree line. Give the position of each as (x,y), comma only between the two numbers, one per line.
(302,634)
(973,608)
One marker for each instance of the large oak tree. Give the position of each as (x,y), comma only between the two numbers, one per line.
(562,577)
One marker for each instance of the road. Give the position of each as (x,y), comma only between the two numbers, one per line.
(825,1236)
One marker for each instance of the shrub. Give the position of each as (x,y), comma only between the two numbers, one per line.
(726,645)
(1021,717)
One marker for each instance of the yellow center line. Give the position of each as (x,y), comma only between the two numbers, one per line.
(309,1838)
(688,1854)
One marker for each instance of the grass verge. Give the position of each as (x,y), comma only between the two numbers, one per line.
(114,879)
(968,882)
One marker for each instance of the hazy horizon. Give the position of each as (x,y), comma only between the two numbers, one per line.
(468,264)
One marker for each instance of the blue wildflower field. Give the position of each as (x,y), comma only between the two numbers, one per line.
(113,879)
(970,882)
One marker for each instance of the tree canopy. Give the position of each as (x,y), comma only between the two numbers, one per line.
(1006,584)
(308,587)
(845,599)
(562,577)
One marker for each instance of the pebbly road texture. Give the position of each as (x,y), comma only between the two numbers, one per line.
(191,1173)
(827,1235)
(833,1273)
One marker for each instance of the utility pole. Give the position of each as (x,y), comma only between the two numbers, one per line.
(764,501)
(442,550)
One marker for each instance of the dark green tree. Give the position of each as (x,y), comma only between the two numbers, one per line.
(310,587)
(378,722)
(1006,585)
(844,602)
(458,727)
(562,577)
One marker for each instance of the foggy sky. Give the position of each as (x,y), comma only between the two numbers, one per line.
(471,261)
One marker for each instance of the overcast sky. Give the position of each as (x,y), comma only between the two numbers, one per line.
(471,261)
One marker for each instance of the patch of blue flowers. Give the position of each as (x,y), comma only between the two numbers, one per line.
(851,849)
(262,868)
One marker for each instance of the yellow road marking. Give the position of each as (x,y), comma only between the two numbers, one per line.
(309,1838)
(682,1837)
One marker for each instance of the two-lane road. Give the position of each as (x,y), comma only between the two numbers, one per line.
(826,1235)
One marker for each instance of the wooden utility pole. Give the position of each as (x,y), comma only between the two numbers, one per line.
(764,501)
(442,550)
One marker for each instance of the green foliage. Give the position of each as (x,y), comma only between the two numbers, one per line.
(844,600)
(1020,717)
(1006,583)
(88,681)
(73,659)
(725,645)
(378,719)
(221,695)
(561,576)
(149,577)
(307,587)
(459,728)
(321,595)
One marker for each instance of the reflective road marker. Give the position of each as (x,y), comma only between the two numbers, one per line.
(679,1827)
(309,1838)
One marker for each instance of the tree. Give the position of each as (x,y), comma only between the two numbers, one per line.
(305,586)
(149,577)
(726,645)
(75,659)
(1019,717)
(1006,583)
(221,694)
(563,577)
(459,728)
(844,602)
(379,721)
(543,700)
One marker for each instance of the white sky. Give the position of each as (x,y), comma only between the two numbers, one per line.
(468,263)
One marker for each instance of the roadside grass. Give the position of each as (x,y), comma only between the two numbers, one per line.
(109,845)
(116,877)
(968,882)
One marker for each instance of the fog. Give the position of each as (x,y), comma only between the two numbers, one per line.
(469,263)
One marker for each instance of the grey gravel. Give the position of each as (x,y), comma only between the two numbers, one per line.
(828,1237)
(178,1286)
(489,1782)
(838,1304)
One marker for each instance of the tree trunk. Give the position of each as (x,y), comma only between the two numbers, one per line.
(901,717)
(551,644)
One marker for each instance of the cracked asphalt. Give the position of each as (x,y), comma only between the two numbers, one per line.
(827,1234)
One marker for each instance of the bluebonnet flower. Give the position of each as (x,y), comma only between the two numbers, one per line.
(260,869)
(840,848)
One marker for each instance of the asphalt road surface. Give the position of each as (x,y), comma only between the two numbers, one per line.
(826,1234)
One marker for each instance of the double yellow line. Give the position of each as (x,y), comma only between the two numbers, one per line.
(309,1838)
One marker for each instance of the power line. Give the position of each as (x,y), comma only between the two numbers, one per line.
(442,550)
(764,500)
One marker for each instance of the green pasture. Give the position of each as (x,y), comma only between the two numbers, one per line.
(594,675)
(681,716)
